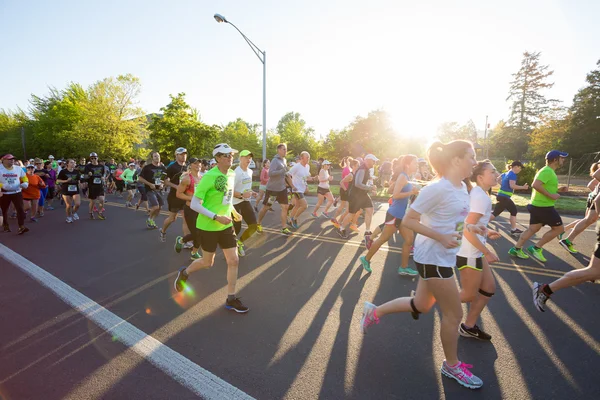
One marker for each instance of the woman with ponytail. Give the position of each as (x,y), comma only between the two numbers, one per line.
(437,216)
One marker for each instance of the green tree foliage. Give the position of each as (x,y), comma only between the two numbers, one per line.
(293,130)
(550,134)
(242,135)
(450,131)
(10,132)
(528,101)
(179,125)
(507,141)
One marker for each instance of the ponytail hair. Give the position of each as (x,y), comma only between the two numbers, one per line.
(440,155)
(352,163)
(477,171)
(264,162)
(594,168)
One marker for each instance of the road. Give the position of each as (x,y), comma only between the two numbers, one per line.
(301,338)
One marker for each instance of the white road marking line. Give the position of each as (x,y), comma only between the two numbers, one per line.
(178,367)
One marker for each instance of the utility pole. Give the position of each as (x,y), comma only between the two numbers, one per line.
(485,137)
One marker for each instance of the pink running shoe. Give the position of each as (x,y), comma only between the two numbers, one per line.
(461,374)
(368,318)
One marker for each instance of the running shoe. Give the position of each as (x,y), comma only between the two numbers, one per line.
(101,216)
(195,256)
(474,332)
(516,231)
(407,271)
(149,223)
(75,217)
(518,253)
(92,216)
(368,317)
(95,209)
(314,214)
(69,220)
(354,227)
(539,297)
(412,250)
(178,244)
(413,314)
(325,215)
(295,224)
(41,214)
(560,236)
(286,231)
(335,223)
(22,230)
(259,228)
(335,202)
(343,234)
(368,242)
(236,305)
(6,228)
(537,253)
(162,236)
(137,207)
(289,222)
(365,264)
(240,248)
(33,219)
(180,279)
(188,245)
(460,372)
(49,208)
(568,245)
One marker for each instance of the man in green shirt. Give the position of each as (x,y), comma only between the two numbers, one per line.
(541,210)
(213,201)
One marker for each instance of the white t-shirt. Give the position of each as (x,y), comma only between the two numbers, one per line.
(299,174)
(443,208)
(480,203)
(242,183)
(324,174)
(11,179)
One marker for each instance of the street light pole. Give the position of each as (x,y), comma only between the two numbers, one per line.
(262,56)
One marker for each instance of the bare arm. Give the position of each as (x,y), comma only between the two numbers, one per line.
(400,183)
(182,187)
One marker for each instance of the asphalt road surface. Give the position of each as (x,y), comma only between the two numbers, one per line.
(301,338)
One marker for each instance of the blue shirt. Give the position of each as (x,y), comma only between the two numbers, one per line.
(505,185)
(399,206)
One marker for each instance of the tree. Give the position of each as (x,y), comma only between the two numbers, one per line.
(585,122)
(529,104)
(293,131)
(241,135)
(374,134)
(506,141)
(179,125)
(450,131)
(550,134)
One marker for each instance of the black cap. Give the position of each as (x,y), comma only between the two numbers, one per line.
(193,160)
(516,164)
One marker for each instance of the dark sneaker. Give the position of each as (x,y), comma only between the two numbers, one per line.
(539,297)
(91,215)
(516,231)
(368,242)
(343,234)
(178,244)
(22,230)
(181,279)
(6,228)
(474,332)
(236,305)
(162,236)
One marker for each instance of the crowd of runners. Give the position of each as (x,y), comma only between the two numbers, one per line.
(440,206)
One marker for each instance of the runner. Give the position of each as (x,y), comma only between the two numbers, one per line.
(385,172)
(51,183)
(242,193)
(300,174)
(276,189)
(185,191)
(264,178)
(473,259)
(345,183)
(44,174)
(129,177)
(69,179)
(213,200)
(438,215)
(174,203)
(541,210)
(96,179)
(151,176)
(359,197)
(83,187)
(508,185)
(543,292)
(141,187)
(402,191)
(111,167)
(591,213)
(323,191)
(120,184)
(32,195)
(12,181)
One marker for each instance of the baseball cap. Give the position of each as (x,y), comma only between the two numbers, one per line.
(245,153)
(132,163)
(51,157)
(371,157)
(223,148)
(93,155)
(516,164)
(421,160)
(554,154)
(180,150)
(326,162)
(30,166)
(212,161)
(8,157)
(193,160)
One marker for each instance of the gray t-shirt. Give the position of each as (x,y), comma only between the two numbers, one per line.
(277,172)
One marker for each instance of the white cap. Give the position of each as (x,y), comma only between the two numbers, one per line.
(132,163)
(371,157)
(212,161)
(180,150)
(326,162)
(51,157)
(223,148)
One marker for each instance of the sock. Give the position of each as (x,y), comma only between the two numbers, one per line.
(546,289)
(537,248)
(230,297)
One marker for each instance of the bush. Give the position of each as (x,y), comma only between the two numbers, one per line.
(526,175)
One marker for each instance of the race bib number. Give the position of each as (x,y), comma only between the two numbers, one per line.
(227,197)
(157,181)
(11,181)
(97,181)
(82,176)
(72,188)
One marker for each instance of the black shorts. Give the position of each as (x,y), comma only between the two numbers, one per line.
(544,215)
(471,262)
(175,204)
(343,194)
(597,250)
(323,191)
(359,200)
(225,239)
(430,271)
(505,203)
(281,197)
(142,190)
(391,220)
(590,204)
(50,194)
(95,191)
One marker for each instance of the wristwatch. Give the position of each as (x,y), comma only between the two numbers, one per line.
(215,217)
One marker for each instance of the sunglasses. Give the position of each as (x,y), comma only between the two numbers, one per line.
(92,158)
(228,155)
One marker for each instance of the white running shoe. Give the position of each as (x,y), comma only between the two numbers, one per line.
(188,245)
(461,374)
(75,217)
(69,220)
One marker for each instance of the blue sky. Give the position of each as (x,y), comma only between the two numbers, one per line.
(424,62)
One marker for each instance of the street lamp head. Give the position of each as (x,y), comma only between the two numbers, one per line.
(220,18)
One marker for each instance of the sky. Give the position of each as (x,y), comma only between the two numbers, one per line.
(425,62)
